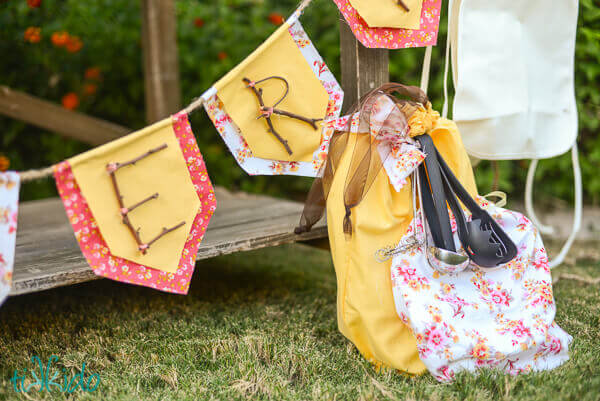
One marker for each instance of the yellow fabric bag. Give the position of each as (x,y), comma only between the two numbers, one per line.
(365,304)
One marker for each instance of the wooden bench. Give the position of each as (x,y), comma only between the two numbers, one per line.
(47,255)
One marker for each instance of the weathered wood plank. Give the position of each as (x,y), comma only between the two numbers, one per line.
(47,255)
(363,69)
(161,65)
(55,118)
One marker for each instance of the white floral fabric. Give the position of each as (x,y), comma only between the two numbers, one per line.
(481,318)
(9,202)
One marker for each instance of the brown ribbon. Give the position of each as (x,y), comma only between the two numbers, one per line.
(366,160)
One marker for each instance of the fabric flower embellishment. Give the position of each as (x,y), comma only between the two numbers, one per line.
(422,120)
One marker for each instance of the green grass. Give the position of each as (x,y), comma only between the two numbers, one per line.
(257,325)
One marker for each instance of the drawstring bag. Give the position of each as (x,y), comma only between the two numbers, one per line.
(514,81)
(366,187)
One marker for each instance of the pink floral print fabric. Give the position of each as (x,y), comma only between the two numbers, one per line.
(394,38)
(94,247)
(9,203)
(480,318)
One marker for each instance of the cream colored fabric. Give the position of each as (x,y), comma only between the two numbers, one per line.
(514,77)
(389,14)
(365,304)
(164,172)
(279,55)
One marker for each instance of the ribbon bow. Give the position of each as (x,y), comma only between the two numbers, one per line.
(385,126)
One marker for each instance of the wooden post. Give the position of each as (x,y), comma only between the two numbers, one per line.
(161,65)
(363,69)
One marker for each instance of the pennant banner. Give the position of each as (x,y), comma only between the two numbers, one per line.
(272,109)
(9,202)
(371,27)
(140,205)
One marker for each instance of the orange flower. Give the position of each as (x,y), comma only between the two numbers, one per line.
(92,73)
(89,89)
(222,55)
(60,39)
(4,163)
(70,101)
(34,3)
(74,44)
(32,34)
(276,18)
(198,22)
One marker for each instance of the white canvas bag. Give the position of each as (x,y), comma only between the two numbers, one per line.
(513,71)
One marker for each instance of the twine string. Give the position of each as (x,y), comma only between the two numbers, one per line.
(36,174)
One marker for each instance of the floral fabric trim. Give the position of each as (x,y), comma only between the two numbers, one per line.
(9,204)
(394,38)
(479,318)
(94,247)
(239,148)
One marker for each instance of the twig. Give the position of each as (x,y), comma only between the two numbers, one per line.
(116,166)
(131,208)
(311,121)
(403,5)
(112,168)
(267,111)
(144,247)
(285,82)
(258,94)
(126,221)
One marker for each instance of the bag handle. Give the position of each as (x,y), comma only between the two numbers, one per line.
(451,47)
(426,69)
(578,212)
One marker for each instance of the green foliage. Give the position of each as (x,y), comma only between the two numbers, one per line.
(231,29)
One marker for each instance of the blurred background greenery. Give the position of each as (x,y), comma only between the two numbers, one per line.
(87,55)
